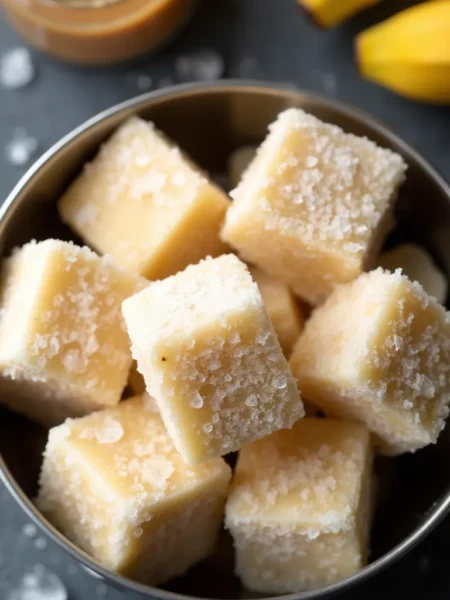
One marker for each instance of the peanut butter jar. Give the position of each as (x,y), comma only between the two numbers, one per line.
(97,32)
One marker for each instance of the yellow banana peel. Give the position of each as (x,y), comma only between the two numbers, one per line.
(328,13)
(410,52)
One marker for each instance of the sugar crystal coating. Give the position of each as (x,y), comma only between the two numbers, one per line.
(64,350)
(299,506)
(114,484)
(314,205)
(210,357)
(282,308)
(378,351)
(141,201)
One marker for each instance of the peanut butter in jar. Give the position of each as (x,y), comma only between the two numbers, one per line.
(97,32)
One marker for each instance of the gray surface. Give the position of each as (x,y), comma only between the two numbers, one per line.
(288,49)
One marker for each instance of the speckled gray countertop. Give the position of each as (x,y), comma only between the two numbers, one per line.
(287,48)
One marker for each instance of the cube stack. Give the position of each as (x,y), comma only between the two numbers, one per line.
(203,341)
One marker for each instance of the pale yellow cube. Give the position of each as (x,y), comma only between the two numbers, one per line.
(210,357)
(282,308)
(313,207)
(135,380)
(378,351)
(418,265)
(64,349)
(142,202)
(113,483)
(299,509)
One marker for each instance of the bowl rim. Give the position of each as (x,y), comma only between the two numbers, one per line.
(438,510)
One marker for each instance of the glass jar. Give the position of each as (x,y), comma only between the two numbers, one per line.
(97,32)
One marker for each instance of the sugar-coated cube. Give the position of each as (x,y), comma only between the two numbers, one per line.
(64,349)
(313,207)
(113,483)
(282,308)
(238,161)
(142,202)
(418,265)
(299,508)
(135,381)
(209,355)
(378,351)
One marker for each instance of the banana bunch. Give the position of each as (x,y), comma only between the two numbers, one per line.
(408,53)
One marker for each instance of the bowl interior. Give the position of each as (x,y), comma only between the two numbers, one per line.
(209,123)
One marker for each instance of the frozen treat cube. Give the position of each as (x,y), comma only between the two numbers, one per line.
(210,357)
(299,508)
(136,381)
(113,483)
(379,351)
(282,308)
(313,207)
(64,349)
(141,201)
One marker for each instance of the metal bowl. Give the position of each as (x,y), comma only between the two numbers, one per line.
(209,122)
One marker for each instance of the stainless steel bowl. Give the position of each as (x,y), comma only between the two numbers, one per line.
(209,122)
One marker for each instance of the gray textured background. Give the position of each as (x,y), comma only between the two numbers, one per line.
(288,49)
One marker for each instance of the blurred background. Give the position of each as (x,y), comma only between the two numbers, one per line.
(42,99)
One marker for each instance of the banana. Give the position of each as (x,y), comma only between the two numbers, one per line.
(328,13)
(410,52)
